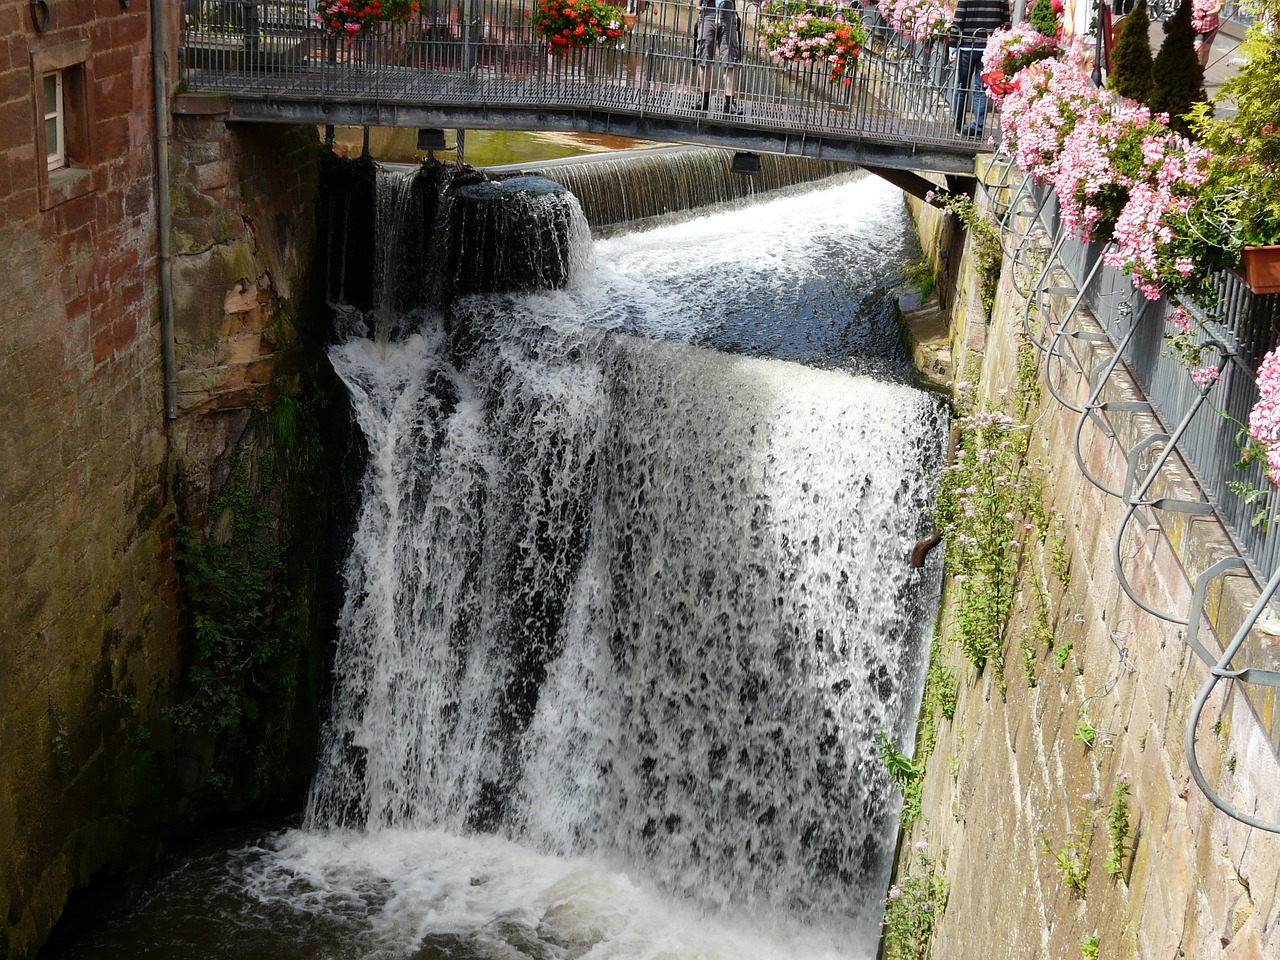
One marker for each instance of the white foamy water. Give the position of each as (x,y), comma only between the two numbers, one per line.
(636,607)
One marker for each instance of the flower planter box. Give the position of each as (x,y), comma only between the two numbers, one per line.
(1261,268)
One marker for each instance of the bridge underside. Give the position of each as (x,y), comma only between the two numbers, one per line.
(703,132)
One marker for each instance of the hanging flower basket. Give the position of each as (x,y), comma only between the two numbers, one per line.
(571,24)
(1261,268)
(352,18)
(809,38)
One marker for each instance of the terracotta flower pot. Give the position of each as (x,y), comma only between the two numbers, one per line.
(1261,268)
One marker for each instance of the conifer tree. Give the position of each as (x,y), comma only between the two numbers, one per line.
(1131,56)
(1177,79)
(1043,18)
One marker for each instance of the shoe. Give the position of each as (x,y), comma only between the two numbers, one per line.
(731,108)
(706,103)
(974,132)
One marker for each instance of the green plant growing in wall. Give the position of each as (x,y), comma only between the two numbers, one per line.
(1072,858)
(906,773)
(1038,632)
(985,237)
(1089,947)
(1085,732)
(1118,828)
(61,742)
(226,578)
(984,497)
(912,909)
(919,277)
(1062,654)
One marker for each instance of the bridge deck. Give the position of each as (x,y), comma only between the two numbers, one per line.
(477,64)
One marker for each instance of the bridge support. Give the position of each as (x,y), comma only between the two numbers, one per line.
(916,185)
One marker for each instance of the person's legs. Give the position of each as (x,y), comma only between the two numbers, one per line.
(964,64)
(979,92)
(732,57)
(705,52)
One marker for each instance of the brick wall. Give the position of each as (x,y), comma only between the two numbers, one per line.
(87,654)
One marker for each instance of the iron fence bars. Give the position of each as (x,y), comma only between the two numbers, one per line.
(480,57)
(1236,330)
(1219,670)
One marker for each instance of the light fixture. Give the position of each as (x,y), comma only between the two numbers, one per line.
(430,139)
(747,164)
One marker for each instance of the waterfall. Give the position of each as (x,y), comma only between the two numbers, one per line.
(626,190)
(393,193)
(634,600)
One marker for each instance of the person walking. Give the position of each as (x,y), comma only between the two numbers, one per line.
(718,27)
(972,26)
(1206,21)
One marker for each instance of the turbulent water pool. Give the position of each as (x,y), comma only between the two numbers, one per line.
(627,603)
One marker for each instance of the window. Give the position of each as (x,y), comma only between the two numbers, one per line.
(55,121)
(62,108)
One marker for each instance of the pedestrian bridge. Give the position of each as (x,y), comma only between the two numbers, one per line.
(478,64)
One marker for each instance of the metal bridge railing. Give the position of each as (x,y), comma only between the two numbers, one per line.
(453,52)
(1178,422)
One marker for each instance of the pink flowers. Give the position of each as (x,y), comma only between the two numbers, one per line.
(1009,51)
(1203,376)
(918,20)
(1118,171)
(1264,418)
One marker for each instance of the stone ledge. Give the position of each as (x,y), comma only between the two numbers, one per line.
(201,105)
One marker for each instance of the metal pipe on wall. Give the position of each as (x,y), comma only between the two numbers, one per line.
(163,213)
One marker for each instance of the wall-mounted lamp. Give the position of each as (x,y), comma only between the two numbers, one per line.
(747,164)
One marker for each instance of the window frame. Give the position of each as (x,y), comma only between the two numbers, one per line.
(75,176)
(55,158)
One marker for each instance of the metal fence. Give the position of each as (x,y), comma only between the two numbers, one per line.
(453,52)
(1236,331)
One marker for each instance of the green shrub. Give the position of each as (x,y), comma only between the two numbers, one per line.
(1177,79)
(1131,56)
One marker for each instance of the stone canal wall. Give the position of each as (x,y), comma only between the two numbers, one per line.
(1056,805)
(116,517)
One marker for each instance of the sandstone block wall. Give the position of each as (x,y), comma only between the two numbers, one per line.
(91,474)
(86,630)
(1009,783)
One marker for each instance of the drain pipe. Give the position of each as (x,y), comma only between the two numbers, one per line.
(163,213)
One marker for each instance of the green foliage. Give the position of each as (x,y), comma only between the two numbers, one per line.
(1118,828)
(1039,632)
(982,505)
(1043,18)
(906,773)
(1062,654)
(1177,79)
(912,909)
(919,277)
(1072,858)
(226,579)
(1086,732)
(61,742)
(1131,62)
(986,241)
(1089,947)
(1240,205)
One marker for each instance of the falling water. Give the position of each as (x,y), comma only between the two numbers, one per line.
(392,194)
(626,605)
